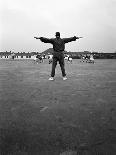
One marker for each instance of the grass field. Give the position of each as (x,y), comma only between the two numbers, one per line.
(41,117)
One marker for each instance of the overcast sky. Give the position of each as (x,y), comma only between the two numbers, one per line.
(21,20)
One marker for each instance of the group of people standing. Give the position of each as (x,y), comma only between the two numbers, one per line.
(89,58)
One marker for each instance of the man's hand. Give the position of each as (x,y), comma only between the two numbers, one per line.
(37,37)
(78,37)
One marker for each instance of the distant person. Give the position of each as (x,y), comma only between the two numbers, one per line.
(87,58)
(83,58)
(39,57)
(50,57)
(70,59)
(91,59)
(44,56)
(58,51)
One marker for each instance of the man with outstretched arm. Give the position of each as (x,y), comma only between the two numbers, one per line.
(58,51)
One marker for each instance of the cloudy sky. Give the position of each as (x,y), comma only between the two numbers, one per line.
(21,20)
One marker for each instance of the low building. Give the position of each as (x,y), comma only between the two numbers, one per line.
(17,56)
(5,55)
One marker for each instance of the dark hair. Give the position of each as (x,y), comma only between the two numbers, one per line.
(57,33)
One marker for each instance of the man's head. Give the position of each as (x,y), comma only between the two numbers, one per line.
(57,34)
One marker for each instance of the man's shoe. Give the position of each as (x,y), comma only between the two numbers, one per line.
(64,78)
(51,78)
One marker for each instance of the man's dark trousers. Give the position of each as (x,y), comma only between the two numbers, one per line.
(58,57)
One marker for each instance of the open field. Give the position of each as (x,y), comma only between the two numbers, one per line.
(41,117)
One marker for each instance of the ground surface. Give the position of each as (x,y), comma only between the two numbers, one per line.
(41,117)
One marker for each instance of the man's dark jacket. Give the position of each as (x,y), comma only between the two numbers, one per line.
(58,43)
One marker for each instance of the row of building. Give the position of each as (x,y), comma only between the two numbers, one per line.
(74,55)
(22,55)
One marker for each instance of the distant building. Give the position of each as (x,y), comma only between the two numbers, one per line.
(18,56)
(5,55)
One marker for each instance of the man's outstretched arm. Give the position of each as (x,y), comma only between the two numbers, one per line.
(45,40)
(66,40)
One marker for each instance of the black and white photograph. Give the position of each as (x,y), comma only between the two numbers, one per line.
(57,77)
